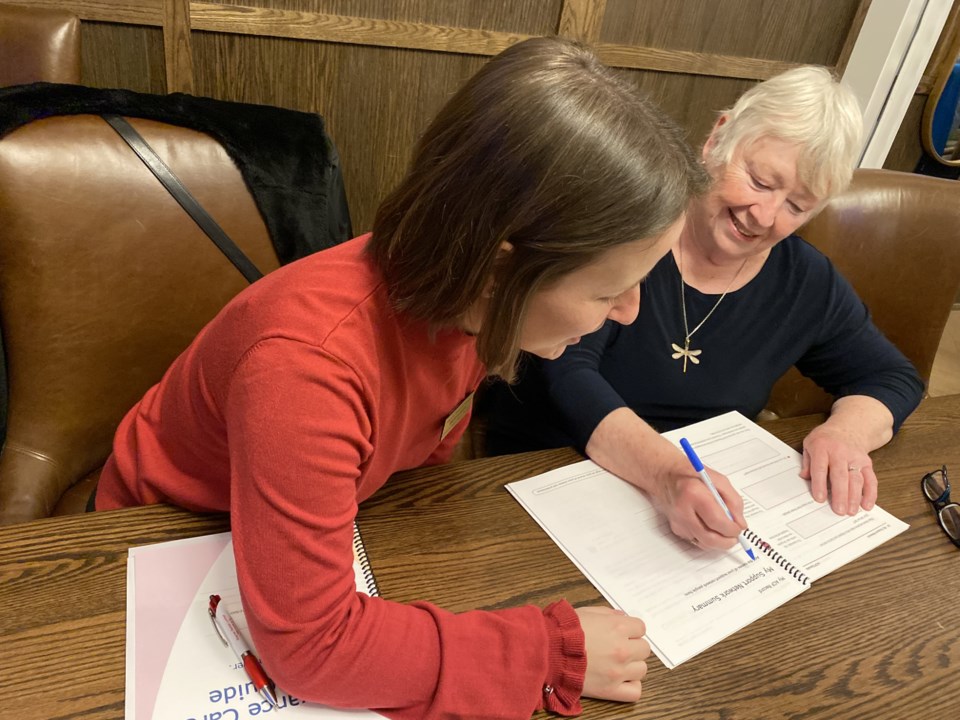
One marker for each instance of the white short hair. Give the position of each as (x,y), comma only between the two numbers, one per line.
(806,106)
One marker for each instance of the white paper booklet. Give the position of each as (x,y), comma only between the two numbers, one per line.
(690,598)
(177,666)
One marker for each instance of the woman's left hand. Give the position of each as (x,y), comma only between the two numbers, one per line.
(832,459)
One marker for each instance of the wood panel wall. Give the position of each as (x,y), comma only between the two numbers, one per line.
(378,70)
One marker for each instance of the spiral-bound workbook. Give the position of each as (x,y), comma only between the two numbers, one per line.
(177,666)
(690,598)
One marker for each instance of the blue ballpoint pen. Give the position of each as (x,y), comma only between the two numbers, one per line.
(698,466)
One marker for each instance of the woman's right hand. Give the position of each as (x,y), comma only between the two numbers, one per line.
(626,446)
(692,511)
(616,654)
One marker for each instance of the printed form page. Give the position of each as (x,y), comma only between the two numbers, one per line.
(689,598)
(692,598)
(778,505)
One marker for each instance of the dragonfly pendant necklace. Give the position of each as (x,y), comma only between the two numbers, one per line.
(685,352)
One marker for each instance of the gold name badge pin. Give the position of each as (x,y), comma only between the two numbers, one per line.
(456,416)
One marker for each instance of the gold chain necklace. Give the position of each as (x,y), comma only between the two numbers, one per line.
(685,352)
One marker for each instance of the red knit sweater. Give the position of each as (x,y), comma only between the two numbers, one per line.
(296,403)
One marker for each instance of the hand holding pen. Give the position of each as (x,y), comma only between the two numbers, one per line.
(230,635)
(705,477)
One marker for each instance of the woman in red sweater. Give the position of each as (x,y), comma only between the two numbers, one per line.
(536,202)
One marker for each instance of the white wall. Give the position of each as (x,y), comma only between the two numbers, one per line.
(887,62)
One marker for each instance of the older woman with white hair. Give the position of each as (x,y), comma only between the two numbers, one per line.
(739,300)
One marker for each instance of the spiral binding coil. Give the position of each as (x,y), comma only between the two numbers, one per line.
(360,552)
(779,559)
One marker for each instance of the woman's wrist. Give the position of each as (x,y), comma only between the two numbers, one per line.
(566,660)
(860,421)
(628,447)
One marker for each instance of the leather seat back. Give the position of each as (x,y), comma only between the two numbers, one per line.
(104,280)
(38,45)
(896,237)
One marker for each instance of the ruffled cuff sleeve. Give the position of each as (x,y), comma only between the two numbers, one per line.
(567,660)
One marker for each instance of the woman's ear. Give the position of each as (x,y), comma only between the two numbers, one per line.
(506,247)
(472,320)
(712,138)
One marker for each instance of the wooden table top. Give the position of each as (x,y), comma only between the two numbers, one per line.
(878,638)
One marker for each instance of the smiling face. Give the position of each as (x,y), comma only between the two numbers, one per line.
(756,201)
(579,302)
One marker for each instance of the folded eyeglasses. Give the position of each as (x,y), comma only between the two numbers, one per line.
(936,489)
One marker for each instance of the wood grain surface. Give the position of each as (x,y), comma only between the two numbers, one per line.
(334,57)
(377,70)
(878,638)
(176,46)
(582,20)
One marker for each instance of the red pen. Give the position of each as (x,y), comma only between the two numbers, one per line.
(227,630)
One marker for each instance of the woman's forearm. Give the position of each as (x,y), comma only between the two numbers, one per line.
(628,447)
(864,420)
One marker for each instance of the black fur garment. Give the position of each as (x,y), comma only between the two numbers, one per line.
(284,156)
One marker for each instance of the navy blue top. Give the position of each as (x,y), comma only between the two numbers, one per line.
(798,310)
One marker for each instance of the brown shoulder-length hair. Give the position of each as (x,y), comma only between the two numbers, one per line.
(544,148)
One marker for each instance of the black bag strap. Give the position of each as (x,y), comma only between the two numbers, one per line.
(187,201)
